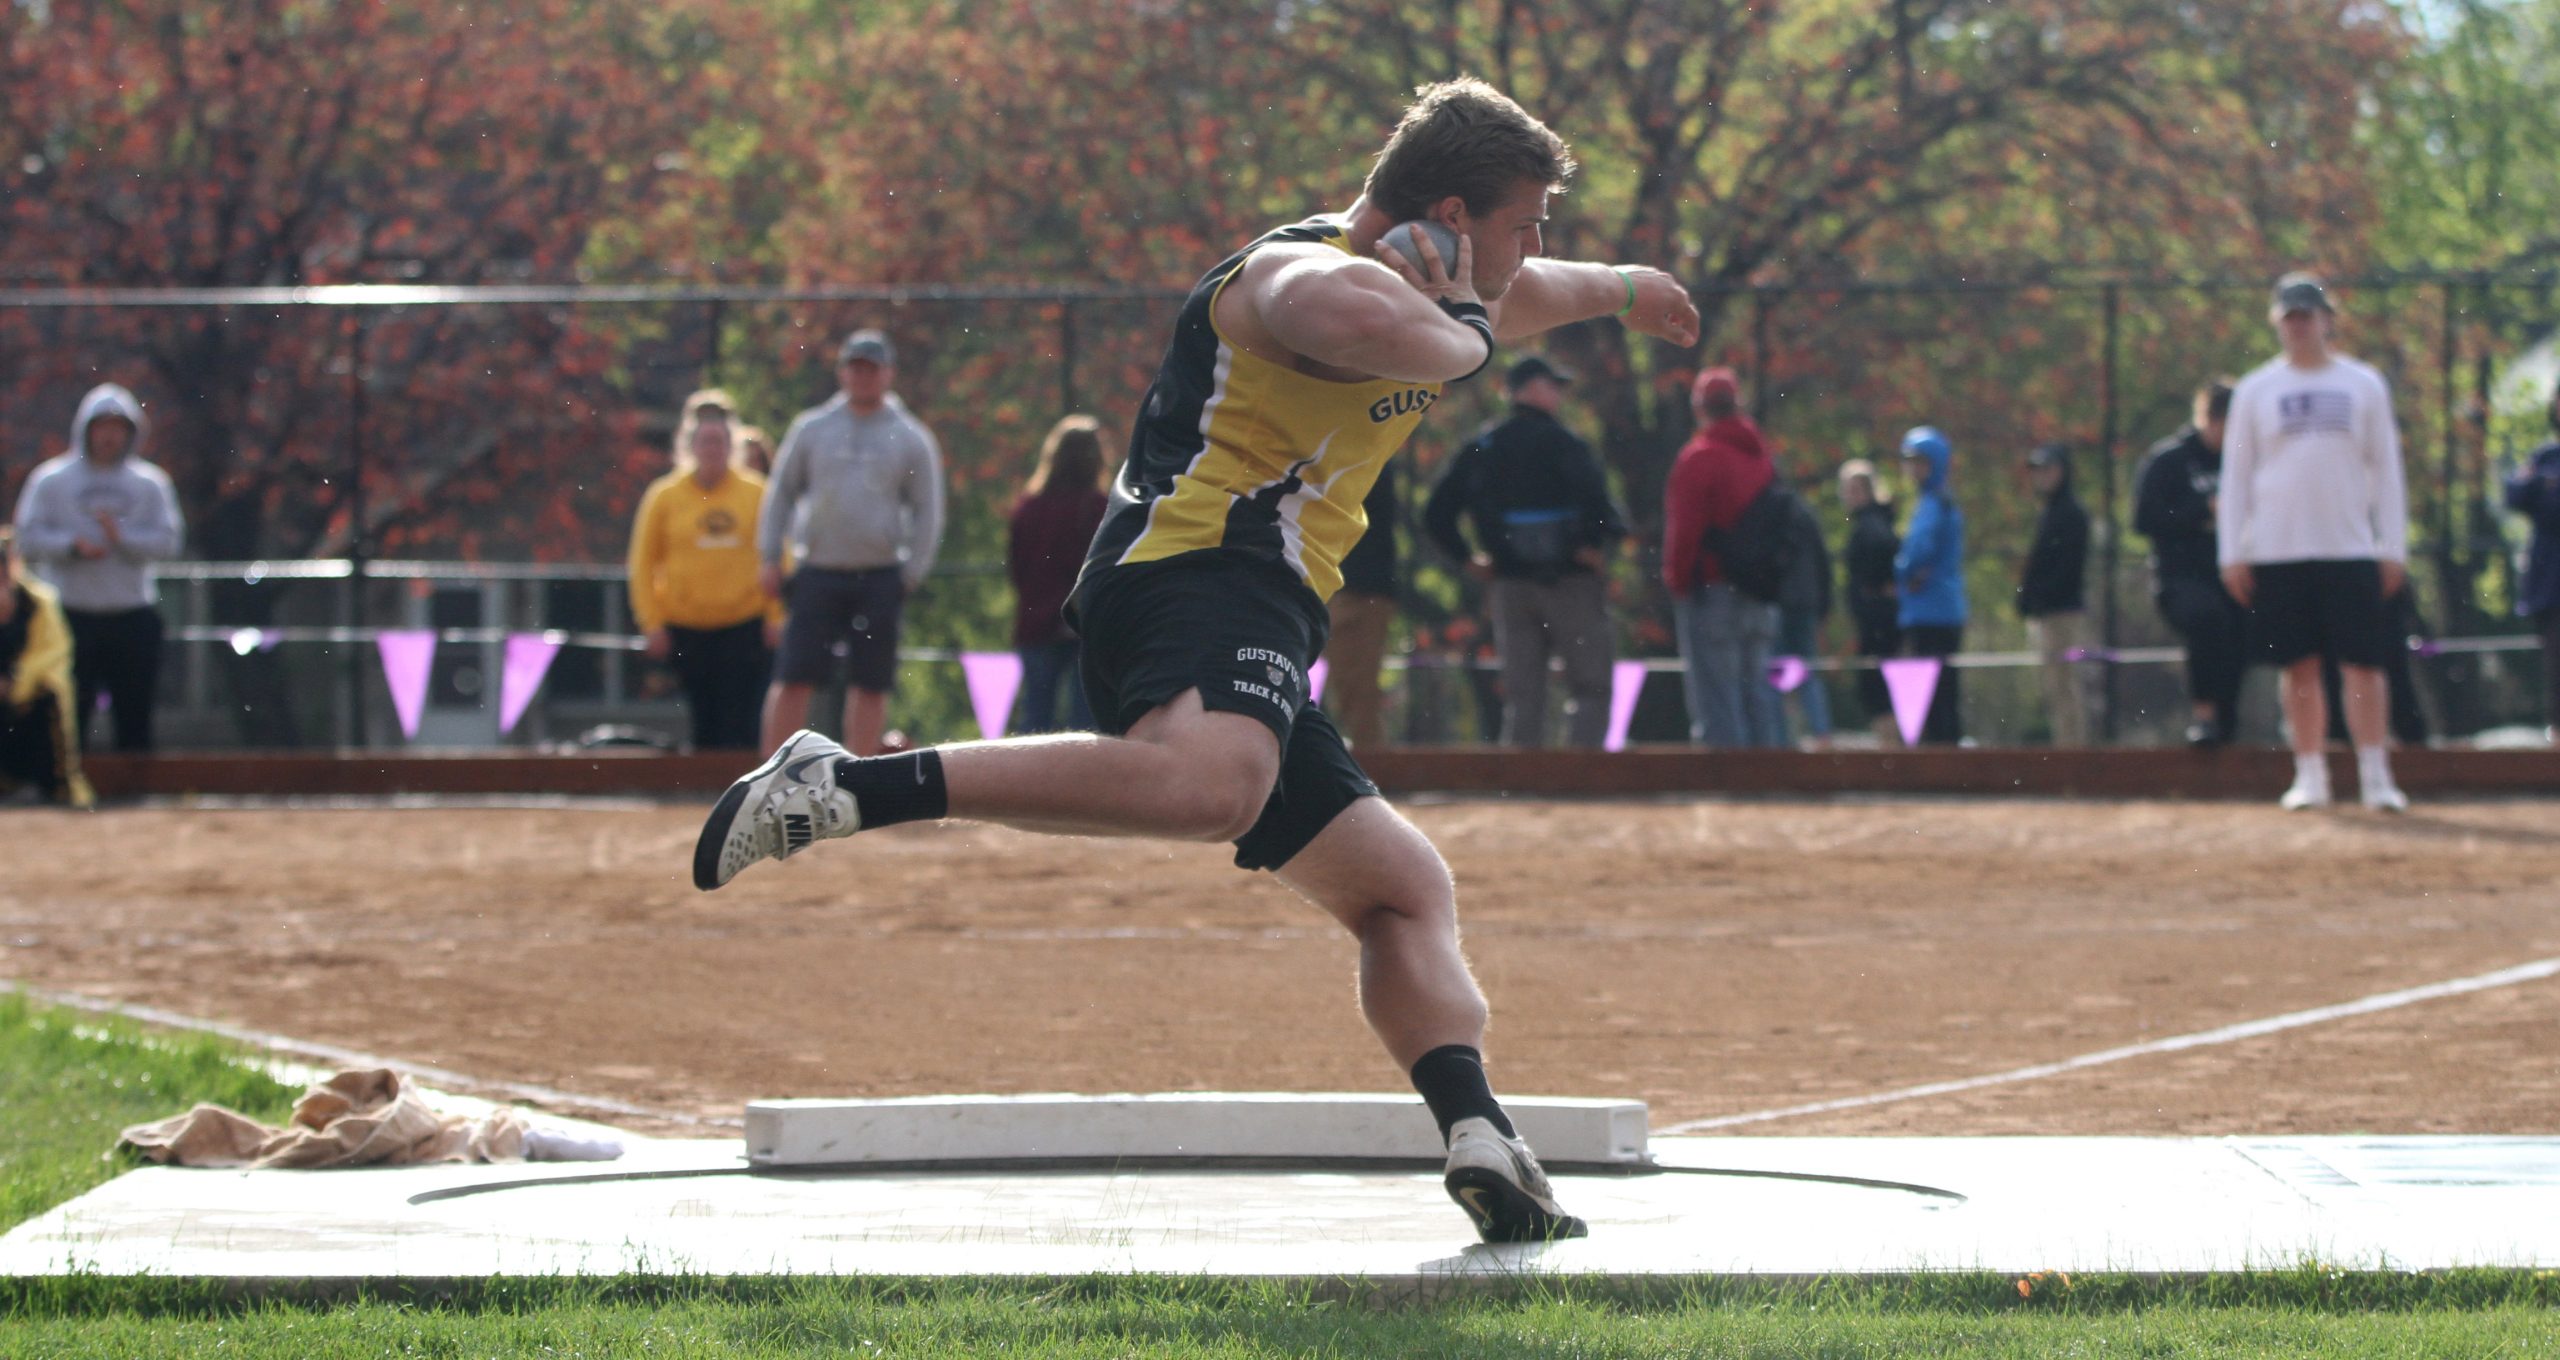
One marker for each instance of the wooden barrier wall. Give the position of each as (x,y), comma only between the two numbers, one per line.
(2246,775)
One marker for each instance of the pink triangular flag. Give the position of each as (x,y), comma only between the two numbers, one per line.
(408,655)
(1626,681)
(1911,682)
(528,660)
(994,678)
(1315,682)
(1787,672)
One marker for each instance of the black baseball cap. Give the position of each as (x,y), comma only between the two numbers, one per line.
(867,344)
(1533,368)
(2301,292)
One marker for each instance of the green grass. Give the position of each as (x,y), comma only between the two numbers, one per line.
(68,1082)
(2291,1315)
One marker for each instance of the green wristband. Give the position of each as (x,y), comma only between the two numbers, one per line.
(1631,290)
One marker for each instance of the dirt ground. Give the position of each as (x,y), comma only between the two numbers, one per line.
(1710,958)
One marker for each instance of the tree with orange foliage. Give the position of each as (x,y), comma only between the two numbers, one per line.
(1742,141)
(156,143)
(1735,142)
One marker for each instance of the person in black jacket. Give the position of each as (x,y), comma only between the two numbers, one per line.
(1867,584)
(2533,490)
(2174,504)
(1804,601)
(1543,519)
(2052,599)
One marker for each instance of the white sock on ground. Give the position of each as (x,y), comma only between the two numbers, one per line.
(2373,767)
(2311,772)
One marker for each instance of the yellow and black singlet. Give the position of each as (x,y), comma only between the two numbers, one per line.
(1234,451)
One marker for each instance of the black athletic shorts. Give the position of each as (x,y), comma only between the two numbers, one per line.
(855,611)
(1242,631)
(2326,608)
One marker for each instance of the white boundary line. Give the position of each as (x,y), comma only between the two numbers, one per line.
(347,1057)
(2248,1029)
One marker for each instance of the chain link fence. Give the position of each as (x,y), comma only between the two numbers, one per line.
(468,459)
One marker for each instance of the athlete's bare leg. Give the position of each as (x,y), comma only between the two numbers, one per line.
(1183,772)
(1380,877)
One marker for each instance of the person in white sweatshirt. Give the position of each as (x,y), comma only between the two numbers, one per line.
(2314,524)
(91,523)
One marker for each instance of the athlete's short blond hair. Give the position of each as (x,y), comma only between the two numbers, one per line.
(1466,138)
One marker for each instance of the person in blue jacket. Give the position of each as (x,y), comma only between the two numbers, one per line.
(2533,491)
(1929,576)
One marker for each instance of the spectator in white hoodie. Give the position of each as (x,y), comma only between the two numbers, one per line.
(2314,526)
(91,522)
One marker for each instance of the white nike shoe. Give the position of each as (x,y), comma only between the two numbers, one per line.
(776,810)
(2305,795)
(1497,1181)
(2385,798)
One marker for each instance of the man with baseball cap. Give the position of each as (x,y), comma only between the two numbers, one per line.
(2314,531)
(856,499)
(1543,518)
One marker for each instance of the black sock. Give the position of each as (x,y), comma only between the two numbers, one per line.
(1451,1080)
(906,787)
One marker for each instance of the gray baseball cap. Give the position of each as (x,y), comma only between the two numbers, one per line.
(2301,292)
(867,344)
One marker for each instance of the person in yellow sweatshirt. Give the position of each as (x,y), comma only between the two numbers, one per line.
(39,749)
(695,591)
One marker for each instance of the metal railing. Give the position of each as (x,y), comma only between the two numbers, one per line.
(512,599)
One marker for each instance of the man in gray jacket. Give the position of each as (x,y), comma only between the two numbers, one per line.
(91,522)
(856,498)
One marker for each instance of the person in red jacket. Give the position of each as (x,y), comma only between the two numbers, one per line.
(1724,634)
(1053,524)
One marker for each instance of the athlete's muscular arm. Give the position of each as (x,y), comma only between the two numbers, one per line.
(1357,315)
(1546,294)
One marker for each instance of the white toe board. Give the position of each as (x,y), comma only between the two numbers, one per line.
(1236,1125)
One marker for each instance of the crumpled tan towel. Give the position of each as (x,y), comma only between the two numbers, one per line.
(371,1117)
